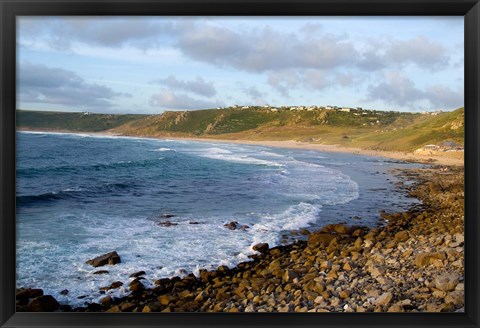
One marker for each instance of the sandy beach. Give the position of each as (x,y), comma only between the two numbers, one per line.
(441,158)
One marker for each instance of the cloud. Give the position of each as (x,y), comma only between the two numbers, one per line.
(61,32)
(399,90)
(198,86)
(420,51)
(283,81)
(42,84)
(317,79)
(171,100)
(263,50)
(253,92)
(443,97)
(255,50)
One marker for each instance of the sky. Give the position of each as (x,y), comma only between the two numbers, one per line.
(153,64)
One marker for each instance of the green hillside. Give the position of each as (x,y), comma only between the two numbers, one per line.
(358,128)
(78,122)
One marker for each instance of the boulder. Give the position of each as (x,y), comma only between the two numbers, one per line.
(289,275)
(339,228)
(384,299)
(446,282)
(44,303)
(166,223)
(231,225)
(23,295)
(136,286)
(109,258)
(424,259)
(101,272)
(261,247)
(137,274)
(114,285)
(401,236)
(317,239)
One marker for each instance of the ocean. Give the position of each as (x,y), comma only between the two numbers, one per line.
(79,196)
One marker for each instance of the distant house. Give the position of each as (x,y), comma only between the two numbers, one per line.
(345,110)
(430,147)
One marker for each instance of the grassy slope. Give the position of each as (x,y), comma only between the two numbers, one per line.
(376,130)
(37,120)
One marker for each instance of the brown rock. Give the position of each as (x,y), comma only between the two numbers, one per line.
(289,275)
(384,299)
(109,258)
(456,297)
(424,259)
(136,286)
(402,236)
(337,228)
(231,225)
(333,246)
(152,307)
(101,272)
(114,285)
(107,300)
(44,303)
(446,282)
(317,239)
(261,247)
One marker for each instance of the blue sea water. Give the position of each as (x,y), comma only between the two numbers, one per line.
(79,196)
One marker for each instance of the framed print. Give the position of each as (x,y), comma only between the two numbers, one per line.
(228,163)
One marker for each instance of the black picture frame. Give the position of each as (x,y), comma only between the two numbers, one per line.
(470,9)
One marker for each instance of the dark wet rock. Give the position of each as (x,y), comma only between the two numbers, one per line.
(231,225)
(101,272)
(107,300)
(44,303)
(166,216)
(82,297)
(206,275)
(163,281)
(193,222)
(340,229)
(23,295)
(234,225)
(136,286)
(109,258)
(261,247)
(94,307)
(113,285)
(64,292)
(137,274)
(166,223)
(65,308)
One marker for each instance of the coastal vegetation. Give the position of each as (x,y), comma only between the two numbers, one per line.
(368,129)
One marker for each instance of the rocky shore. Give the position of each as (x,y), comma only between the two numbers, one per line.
(412,263)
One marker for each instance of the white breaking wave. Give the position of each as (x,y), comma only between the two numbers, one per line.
(164,149)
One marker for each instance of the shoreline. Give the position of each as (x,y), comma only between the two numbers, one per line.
(292,144)
(413,263)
